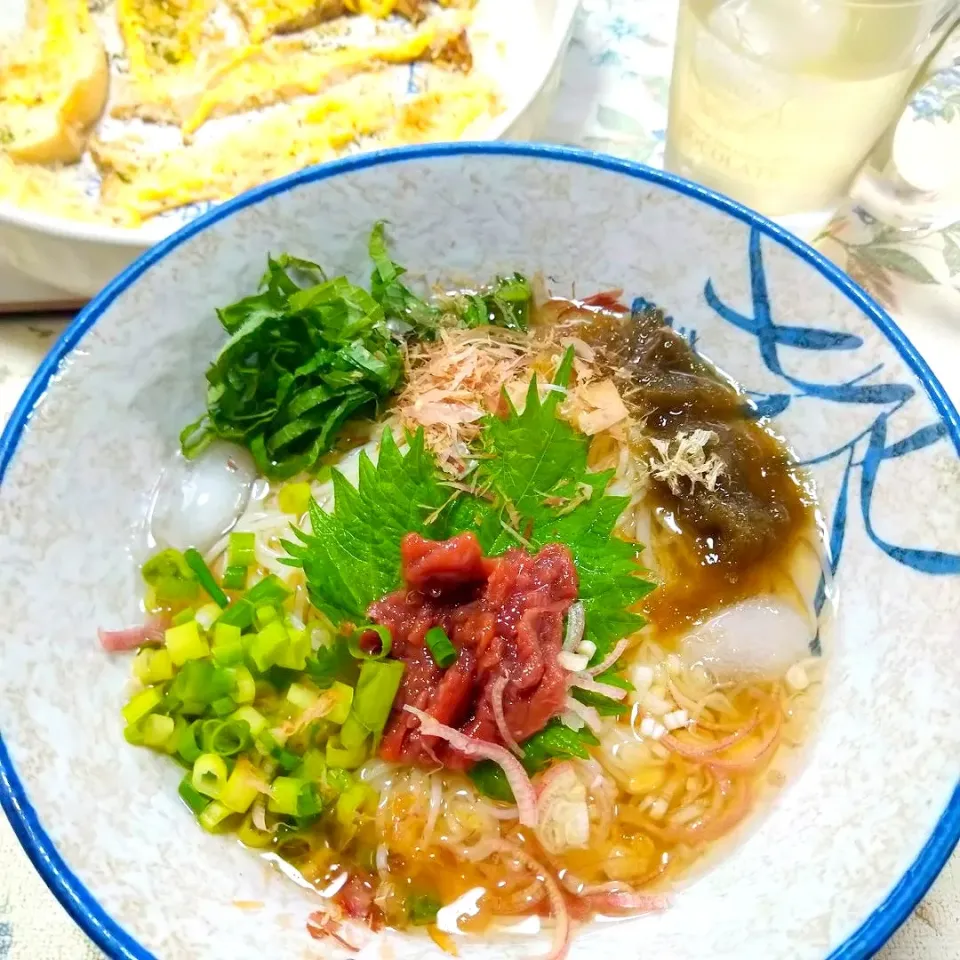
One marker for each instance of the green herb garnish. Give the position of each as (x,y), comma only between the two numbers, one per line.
(170,576)
(307,353)
(397,301)
(300,361)
(444,653)
(533,473)
(605,706)
(554,742)
(537,463)
(353,555)
(422,909)
(506,304)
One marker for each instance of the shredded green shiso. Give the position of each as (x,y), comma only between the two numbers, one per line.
(307,353)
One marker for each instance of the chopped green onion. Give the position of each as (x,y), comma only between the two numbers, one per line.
(266,614)
(161,666)
(187,744)
(141,666)
(271,740)
(240,549)
(225,633)
(213,816)
(265,647)
(228,647)
(234,578)
(353,733)
(173,741)
(209,775)
(199,683)
(142,703)
(301,696)
(196,801)
(295,498)
(444,653)
(184,616)
(375,691)
(240,614)
(309,803)
(170,577)
(230,738)
(202,572)
(254,719)
(238,794)
(206,616)
(340,756)
(313,766)
(336,780)
(156,729)
(292,845)
(246,686)
(186,643)
(133,734)
(422,909)
(287,759)
(152,666)
(341,711)
(386,642)
(208,729)
(351,800)
(294,654)
(284,795)
(269,590)
(250,836)
(223,706)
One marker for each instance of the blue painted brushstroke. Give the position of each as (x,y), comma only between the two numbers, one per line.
(867,450)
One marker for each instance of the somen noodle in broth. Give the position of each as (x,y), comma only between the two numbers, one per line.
(517,621)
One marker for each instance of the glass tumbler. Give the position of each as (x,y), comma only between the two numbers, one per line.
(777,103)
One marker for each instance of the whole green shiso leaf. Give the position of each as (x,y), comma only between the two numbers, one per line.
(534,475)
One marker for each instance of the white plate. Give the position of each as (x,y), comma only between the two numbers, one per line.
(525,49)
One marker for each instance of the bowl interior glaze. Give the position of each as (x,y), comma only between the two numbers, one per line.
(852,841)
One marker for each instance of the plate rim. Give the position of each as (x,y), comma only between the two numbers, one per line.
(67,887)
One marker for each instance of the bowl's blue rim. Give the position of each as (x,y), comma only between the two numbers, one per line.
(67,887)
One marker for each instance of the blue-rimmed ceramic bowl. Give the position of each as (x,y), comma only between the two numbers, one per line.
(850,845)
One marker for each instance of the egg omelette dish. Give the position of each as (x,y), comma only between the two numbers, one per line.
(123,110)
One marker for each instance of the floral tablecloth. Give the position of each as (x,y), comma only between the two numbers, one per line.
(613,98)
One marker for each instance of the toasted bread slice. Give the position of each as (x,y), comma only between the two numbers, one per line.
(142,184)
(263,18)
(171,45)
(284,68)
(55,90)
